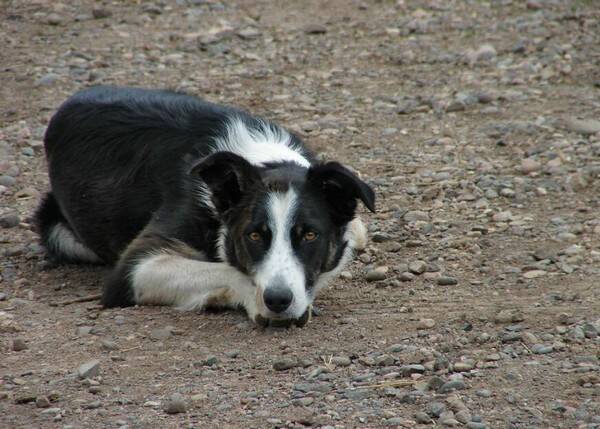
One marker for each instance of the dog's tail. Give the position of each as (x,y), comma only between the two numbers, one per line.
(58,237)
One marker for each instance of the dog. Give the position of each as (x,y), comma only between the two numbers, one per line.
(196,204)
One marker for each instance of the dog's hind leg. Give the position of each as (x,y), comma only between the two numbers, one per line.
(57,236)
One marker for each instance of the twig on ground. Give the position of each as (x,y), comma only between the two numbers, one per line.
(86,298)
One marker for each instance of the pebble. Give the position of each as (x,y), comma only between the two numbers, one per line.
(446,281)
(435,409)
(341,361)
(476,425)
(485,52)
(284,364)
(422,418)
(463,416)
(530,165)
(452,385)
(406,276)
(417,267)
(315,29)
(541,349)
(426,324)
(175,404)
(416,215)
(582,126)
(54,19)
(484,393)
(7,181)
(47,79)
(160,334)
(377,274)
(42,402)
(10,220)
(18,344)
(101,12)
(463,366)
(89,369)
(509,316)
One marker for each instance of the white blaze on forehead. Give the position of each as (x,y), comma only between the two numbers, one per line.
(264,144)
(281,263)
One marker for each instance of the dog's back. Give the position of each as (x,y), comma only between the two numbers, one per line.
(114,156)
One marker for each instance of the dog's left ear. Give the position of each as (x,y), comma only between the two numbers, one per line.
(341,189)
(229,177)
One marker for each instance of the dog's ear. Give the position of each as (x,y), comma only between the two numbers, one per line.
(341,189)
(228,176)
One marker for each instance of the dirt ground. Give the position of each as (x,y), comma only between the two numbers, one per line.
(477,122)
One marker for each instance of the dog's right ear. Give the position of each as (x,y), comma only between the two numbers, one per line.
(228,177)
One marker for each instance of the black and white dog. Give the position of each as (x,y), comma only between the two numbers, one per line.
(196,204)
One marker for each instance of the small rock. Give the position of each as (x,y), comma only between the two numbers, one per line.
(508,316)
(378,274)
(47,79)
(530,165)
(54,19)
(341,360)
(108,345)
(582,126)
(435,409)
(384,360)
(422,418)
(315,29)
(476,425)
(417,267)
(463,416)
(416,215)
(426,324)
(210,361)
(92,405)
(462,366)
(485,52)
(25,398)
(89,369)
(42,402)
(175,404)
(18,344)
(532,274)
(101,13)
(406,276)
(541,349)
(9,220)
(7,181)
(160,334)
(452,385)
(248,33)
(446,281)
(284,364)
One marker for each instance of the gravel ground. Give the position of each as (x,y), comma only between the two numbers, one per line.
(476,303)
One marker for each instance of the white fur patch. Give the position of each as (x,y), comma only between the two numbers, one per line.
(265,144)
(167,279)
(63,241)
(280,262)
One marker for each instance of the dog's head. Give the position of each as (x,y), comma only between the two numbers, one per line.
(289,228)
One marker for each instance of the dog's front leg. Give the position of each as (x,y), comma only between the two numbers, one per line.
(167,279)
(161,271)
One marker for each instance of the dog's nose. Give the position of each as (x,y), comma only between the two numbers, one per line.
(278,299)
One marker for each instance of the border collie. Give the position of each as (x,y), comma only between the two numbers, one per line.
(196,204)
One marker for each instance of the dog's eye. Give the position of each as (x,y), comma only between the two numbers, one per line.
(309,236)
(254,236)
